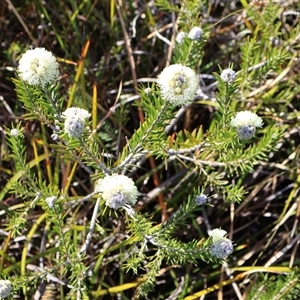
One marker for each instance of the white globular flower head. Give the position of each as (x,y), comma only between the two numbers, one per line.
(195,33)
(178,84)
(51,201)
(221,248)
(38,67)
(117,190)
(75,121)
(5,288)
(201,199)
(246,123)
(180,37)
(228,75)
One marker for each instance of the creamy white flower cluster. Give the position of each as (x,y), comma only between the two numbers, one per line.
(5,288)
(195,34)
(75,123)
(117,190)
(178,84)
(245,123)
(221,246)
(38,67)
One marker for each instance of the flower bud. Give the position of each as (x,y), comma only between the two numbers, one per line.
(228,75)
(246,132)
(51,201)
(196,33)
(14,132)
(180,37)
(221,248)
(201,199)
(5,288)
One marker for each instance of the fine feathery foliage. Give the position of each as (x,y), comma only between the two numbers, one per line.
(95,145)
(276,287)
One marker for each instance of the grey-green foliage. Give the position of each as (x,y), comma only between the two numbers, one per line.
(280,287)
(33,191)
(162,239)
(216,155)
(44,104)
(217,152)
(150,135)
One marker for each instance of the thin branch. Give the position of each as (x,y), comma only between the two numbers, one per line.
(92,227)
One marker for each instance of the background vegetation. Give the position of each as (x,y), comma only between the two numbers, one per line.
(96,43)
